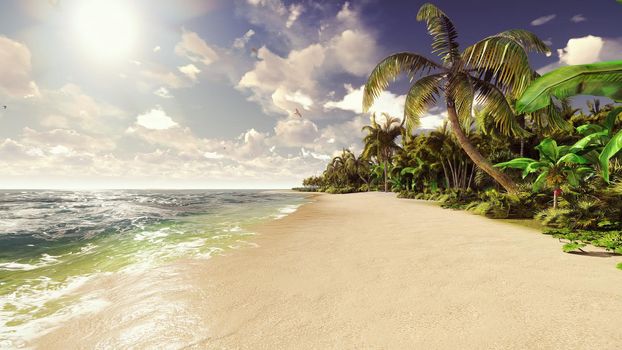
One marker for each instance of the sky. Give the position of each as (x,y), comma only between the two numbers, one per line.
(203,93)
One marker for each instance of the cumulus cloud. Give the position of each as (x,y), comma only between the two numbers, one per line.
(542,20)
(581,50)
(387,102)
(295,132)
(276,81)
(578,18)
(195,49)
(584,50)
(155,119)
(355,51)
(15,69)
(190,70)
(282,83)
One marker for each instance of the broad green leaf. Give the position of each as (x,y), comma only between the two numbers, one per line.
(590,140)
(535,166)
(548,148)
(540,180)
(598,79)
(611,149)
(572,246)
(572,178)
(572,158)
(516,163)
(610,121)
(588,129)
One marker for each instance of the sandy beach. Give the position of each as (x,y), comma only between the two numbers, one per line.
(365,271)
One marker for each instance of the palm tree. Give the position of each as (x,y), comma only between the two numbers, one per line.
(485,73)
(380,141)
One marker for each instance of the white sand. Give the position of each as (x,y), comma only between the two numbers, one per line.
(372,271)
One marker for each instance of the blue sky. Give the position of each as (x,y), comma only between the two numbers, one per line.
(201,93)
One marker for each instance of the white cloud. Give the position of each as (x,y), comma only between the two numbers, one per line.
(295,10)
(581,50)
(190,70)
(584,50)
(578,18)
(156,119)
(355,51)
(15,69)
(387,102)
(282,83)
(195,49)
(295,132)
(240,43)
(213,155)
(157,49)
(156,75)
(542,20)
(163,92)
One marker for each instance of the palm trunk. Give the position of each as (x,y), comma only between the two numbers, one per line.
(474,154)
(385,176)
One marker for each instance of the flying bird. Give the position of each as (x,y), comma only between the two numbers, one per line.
(297,112)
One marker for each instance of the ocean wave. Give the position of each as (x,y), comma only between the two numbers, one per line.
(286,210)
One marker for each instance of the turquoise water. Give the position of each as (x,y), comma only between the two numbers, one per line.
(52,242)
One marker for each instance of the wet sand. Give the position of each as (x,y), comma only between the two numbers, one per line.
(365,271)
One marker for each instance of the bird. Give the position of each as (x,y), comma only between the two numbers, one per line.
(297,112)
(4,107)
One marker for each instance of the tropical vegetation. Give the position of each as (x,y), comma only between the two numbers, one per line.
(514,146)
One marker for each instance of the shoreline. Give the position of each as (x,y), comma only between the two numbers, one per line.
(366,270)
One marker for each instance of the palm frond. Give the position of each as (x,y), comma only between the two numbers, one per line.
(550,118)
(442,30)
(501,61)
(599,79)
(421,96)
(496,105)
(528,40)
(460,90)
(388,70)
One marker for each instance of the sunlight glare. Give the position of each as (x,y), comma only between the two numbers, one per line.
(106,28)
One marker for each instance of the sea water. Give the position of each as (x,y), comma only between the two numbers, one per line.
(53,242)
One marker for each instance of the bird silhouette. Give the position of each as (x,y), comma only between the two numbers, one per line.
(297,112)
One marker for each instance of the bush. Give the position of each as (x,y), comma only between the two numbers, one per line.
(610,240)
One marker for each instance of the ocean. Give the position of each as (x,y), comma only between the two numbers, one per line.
(54,242)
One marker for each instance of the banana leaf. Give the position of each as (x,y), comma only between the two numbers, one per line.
(549,149)
(611,119)
(540,180)
(516,163)
(611,149)
(598,79)
(572,158)
(588,129)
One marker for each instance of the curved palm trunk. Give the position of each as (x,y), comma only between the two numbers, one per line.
(474,154)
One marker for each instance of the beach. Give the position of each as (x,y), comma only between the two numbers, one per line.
(368,271)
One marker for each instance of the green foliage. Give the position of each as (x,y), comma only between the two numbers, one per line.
(598,79)
(572,246)
(619,266)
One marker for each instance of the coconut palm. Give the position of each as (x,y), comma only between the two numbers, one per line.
(485,73)
(381,141)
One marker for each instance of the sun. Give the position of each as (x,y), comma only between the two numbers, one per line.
(105,28)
